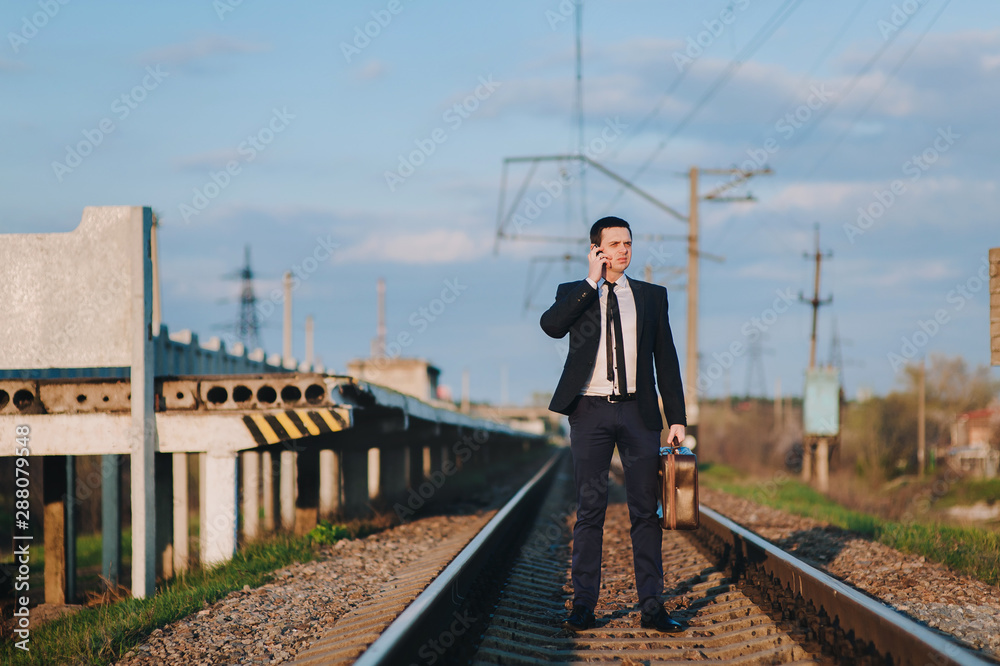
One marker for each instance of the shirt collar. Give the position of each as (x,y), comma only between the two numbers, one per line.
(621,283)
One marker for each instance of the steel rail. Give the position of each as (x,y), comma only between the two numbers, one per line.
(888,632)
(430,611)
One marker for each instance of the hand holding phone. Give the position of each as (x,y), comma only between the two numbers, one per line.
(598,263)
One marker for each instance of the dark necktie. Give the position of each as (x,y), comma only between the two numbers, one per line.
(614,323)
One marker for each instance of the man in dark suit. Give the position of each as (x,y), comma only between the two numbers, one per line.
(618,333)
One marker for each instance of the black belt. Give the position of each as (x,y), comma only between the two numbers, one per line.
(621,398)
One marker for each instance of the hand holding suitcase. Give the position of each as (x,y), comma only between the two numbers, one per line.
(678,489)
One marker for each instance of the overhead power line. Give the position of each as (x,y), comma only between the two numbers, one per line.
(825,111)
(773,23)
(889,79)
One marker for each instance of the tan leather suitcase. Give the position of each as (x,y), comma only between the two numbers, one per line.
(678,489)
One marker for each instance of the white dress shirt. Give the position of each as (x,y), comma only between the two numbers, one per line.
(599,383)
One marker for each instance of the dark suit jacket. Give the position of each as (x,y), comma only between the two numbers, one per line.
(577,311)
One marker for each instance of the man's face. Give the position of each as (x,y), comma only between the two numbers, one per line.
(616,243)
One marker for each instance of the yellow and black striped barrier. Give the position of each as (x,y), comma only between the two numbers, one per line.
(274,427)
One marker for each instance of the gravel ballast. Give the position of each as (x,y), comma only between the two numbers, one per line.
(931,593)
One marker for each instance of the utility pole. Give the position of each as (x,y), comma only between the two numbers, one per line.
(466,400)
(816,447)
(378,344)
(579,108)
(779,404)
(691,365)
(287,337)
(694,253)
(921,412)
(815,302)
(310,343)
(154,251)
(755,370)
(247,327)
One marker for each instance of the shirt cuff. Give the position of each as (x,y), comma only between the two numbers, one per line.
(591,283)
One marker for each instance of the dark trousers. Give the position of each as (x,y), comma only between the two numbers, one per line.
(596,425)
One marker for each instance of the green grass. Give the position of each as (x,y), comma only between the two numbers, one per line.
(102,634)
(970,491)
(88,550)
(969,550)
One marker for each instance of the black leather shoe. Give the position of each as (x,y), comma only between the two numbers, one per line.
(581,618)
(660,620)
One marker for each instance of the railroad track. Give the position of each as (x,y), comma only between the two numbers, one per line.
(503,599)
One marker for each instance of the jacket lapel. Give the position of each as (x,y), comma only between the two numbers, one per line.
(639,296)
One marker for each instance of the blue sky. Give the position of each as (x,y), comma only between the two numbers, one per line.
(309,118)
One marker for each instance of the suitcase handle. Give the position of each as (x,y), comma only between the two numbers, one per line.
(676,450)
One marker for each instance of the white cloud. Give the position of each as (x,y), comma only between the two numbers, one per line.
(787,273)
(990,61)
(215,159)
(201,49)
(896,272)
(425,247)
(10,65)
(815,196)
(373,69)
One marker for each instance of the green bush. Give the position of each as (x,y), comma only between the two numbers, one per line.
(327,533)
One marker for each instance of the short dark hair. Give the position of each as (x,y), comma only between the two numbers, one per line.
(607,223)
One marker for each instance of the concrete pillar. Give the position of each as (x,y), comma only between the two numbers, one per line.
(267,488)
(374,473)
(163,474)
(394,465)
(445,457)
(202,513)
(415,475)
(354,465)
(182,545)
(218,532)
(329,483)
(287,490)
(307,499)
(251,494)
(435,460)
(71,502)
(54,524)
(823,465)
(807,462)
(287,329)
(111,518)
